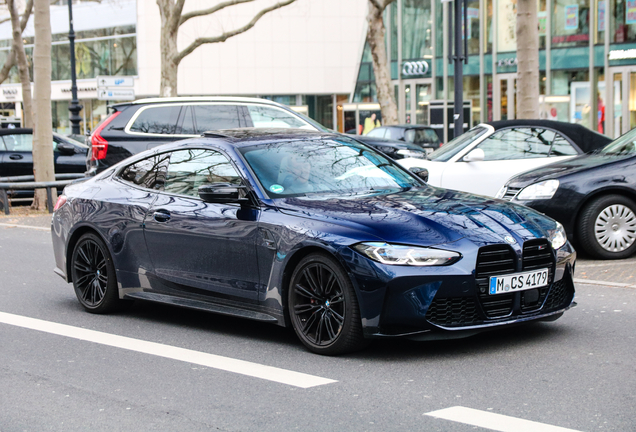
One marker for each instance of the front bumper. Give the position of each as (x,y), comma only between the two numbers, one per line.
(447,302)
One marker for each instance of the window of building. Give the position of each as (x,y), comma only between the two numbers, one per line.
(506,25)
(472,21)
(416,29)
(622,21)
(488,13)
(570,23)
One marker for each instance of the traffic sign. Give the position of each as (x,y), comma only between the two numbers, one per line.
(116,94)
(115,81)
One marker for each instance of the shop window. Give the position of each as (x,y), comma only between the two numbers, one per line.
(623,21)
(472,21)
(570,23)
(506,25)
(488,17)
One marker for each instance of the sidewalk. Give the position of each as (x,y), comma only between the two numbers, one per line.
(41,220)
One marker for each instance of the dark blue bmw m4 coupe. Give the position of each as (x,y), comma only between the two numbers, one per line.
(310,230)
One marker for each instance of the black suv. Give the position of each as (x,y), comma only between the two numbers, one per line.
(146,123)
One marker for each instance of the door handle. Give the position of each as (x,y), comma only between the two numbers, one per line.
(161,216)
(15,157)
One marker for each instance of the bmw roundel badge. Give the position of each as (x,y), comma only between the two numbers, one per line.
(510,239)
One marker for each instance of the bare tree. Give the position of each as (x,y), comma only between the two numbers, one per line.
(527,60)
(11,58)
(172,19)
(23,64)
(375,39)
(43,167)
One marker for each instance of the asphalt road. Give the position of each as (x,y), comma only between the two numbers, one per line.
(578,373)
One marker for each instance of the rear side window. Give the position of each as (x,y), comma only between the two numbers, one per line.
(212,117)
(148,173)
(157,120)
(421,136)
(271,117)
(18,143)
(562,147)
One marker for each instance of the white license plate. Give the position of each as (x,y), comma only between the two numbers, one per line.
(518,282)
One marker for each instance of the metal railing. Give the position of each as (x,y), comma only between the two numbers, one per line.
(28,183)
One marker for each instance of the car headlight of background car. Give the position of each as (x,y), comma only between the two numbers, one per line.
(540,190)
(558,237)
(406,255)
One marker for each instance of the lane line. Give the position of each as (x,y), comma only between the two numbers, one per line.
(228,364)
(493,421)
(606,283)
(24,226)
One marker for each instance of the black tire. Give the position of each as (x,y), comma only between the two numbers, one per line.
(607,228)
(323,307)
(94,276)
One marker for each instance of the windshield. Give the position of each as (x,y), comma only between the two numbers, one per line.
(421,136)
(449,150)
(326,166)
(623,146)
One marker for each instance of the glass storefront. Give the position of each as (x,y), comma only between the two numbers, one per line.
(570,88)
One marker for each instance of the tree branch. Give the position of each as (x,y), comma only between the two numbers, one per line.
(211,10)
(222,38)
(11,58)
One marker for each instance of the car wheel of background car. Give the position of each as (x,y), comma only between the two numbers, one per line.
(608,227)
(323,307)
(94,277)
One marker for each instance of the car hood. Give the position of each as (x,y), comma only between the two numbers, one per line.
(561,169)
(425,216)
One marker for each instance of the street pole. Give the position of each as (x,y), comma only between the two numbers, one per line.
(74,106)
(458,19)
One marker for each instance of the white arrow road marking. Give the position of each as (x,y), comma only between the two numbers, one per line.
(228,364)
(497,422)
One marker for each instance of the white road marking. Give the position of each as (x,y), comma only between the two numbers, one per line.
(228,364)
(493,421)
(25,226)
(604,283)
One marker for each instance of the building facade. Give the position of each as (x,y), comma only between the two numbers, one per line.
(312,55)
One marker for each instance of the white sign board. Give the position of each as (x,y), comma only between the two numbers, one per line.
(115,81)
(116,94)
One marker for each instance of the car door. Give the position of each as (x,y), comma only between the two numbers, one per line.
(204,248)
(17,159)
(506,152)
(69,163)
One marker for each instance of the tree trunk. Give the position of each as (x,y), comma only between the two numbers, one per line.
(527,60)
(384,89)
(43,167)
(23,65)
(170,15)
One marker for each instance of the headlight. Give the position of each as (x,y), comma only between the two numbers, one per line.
(558,237)
(406,255)
(412,153)
(541,190)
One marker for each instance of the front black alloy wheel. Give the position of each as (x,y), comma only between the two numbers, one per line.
(93,275)
(323,307)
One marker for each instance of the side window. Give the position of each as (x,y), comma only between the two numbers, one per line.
(517,143)
(2,146)
(149,173)
(19,143)
(271,117)
(192,168)
(562,147)
(187,123)
(212,117)
(377,132)
(157,120)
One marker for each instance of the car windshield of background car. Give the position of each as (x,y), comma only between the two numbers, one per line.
(447,151)
(70,140)
(421,136)
(324,167)
(623,146)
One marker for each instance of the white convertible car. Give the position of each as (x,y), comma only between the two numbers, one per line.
(484,158)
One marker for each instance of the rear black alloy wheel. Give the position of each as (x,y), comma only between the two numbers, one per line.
(608,227)
(323,307)
(93,275)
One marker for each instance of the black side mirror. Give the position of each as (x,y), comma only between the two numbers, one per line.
(221,193)
(420,172)
(66,149)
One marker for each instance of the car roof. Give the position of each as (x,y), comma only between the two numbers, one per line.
(186,99)
(585,138)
